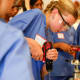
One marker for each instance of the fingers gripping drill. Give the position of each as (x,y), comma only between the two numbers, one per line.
(45,48)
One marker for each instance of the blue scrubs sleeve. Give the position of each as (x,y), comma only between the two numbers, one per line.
(15,59)
(23,20)
(32,23)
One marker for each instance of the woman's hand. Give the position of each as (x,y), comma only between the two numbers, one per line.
(52,54)
(35,49)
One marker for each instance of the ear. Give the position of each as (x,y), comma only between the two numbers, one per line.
(55,10)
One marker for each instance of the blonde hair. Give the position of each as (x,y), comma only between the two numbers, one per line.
(62,6)
(77,5)
(79,12)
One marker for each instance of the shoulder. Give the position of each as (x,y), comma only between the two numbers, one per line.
(27,18)
(77,23)
(29,13)
(35,11)
(9,35)
(10,38)
(7,29)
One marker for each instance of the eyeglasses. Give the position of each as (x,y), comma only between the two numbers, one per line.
(68,25)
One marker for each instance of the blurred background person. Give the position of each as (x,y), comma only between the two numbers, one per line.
(36,4)
(32,4)
(17,8)
(14,9)
(77,6)
(15,59)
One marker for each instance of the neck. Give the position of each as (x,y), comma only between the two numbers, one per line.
(2,16)
(6,18)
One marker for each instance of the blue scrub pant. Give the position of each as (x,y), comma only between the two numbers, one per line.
(57,78)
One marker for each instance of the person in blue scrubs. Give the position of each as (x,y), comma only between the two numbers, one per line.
(29,32)
(77,40)
(36,4)
(78,34)
(34,23)
(18,5)
(62,69)
(15,59)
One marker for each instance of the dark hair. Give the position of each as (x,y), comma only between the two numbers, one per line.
(23,5)
(62,6)
(17,1)
(32,2)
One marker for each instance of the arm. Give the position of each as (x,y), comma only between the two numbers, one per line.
(65,47)
(35,48)
(27,4)
(52,54)
(16,59)
(37,53)
(44,72)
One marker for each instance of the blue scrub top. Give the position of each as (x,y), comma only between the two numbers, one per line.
(77,36)
(60,66)
(15,59)
(31,22)
(77,40)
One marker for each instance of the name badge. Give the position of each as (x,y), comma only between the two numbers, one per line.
(40,39)
(60,36)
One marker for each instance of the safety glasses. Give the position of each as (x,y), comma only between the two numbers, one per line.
(68,25)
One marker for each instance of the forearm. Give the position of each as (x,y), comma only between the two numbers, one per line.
(27,4)
(35,49)
(44,72)
(30,41)
(57,45)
